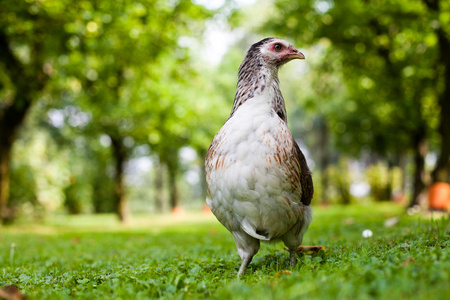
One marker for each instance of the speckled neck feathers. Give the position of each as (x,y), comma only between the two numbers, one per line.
(254,77)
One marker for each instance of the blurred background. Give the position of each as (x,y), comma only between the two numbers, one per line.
(110,106)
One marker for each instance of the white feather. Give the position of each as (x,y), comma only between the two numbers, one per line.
(250,230)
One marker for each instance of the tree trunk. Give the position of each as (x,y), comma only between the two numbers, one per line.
(204,191)
(14,110)
(10,121)
(5,153)
(324,157)
(159,191)
(341,180)
(441,173)
(402,162)
(120,199)
(203,186)
(173,188)
(389,187)
(420,146)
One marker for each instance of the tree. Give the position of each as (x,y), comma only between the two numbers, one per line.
(104,57)
(390,105)
(30,35)
(121,54)
(439,14)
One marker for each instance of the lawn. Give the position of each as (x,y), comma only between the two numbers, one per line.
(193,256)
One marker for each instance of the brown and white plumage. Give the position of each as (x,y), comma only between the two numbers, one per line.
(259,185)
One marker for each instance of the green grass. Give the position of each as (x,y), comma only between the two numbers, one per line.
(94,257)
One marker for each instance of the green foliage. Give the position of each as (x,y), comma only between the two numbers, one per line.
(119,79)
(112,71)
(380,80)
(194,257)
(340,179)
(383,181)
(372,48)
(22,186)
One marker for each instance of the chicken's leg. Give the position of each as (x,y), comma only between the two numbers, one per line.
(293,258)
(247,247)
(245,262)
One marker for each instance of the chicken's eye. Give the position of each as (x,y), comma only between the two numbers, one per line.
(277,47)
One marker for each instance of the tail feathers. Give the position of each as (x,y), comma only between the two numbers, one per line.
(248,228)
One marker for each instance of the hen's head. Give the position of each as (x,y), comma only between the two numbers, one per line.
(274,51)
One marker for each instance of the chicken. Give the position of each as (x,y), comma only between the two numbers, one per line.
(259,185)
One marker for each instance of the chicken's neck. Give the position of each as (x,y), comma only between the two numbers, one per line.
(255,79)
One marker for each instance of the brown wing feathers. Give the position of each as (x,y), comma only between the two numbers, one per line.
(305,177)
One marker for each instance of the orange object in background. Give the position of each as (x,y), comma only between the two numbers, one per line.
(206,210)
(439,196)
(178,211)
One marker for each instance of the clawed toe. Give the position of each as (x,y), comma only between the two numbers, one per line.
(309,249)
